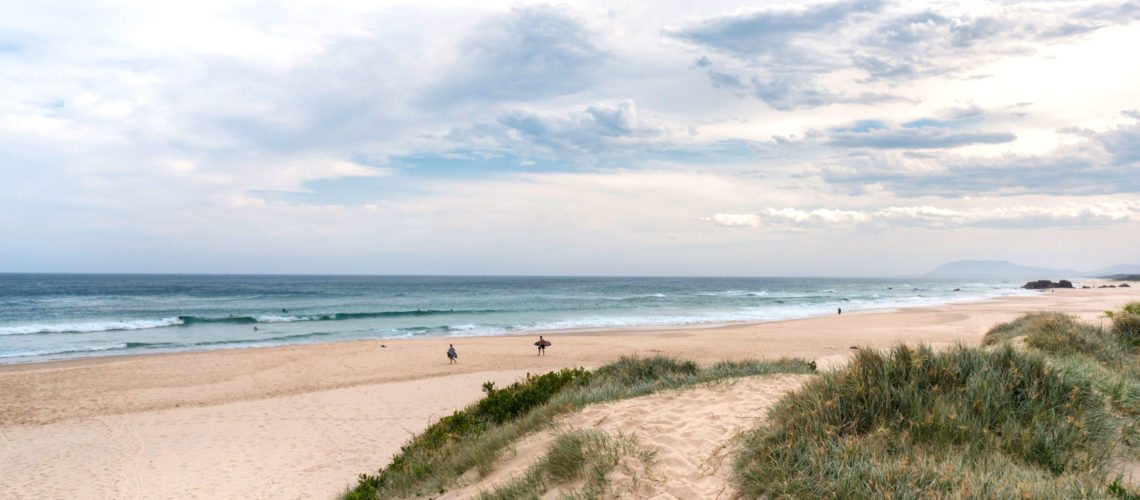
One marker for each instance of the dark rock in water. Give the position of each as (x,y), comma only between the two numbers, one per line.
(957,289)
(1107,286)
(1125,285)
(1086,286)
(1043,284)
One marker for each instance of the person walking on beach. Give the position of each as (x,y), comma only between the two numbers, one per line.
(840,310)
(451,354)
(542,343)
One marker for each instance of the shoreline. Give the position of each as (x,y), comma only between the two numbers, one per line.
(35,360)
(303,420)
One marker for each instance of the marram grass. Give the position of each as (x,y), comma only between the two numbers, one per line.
(913,423)
(1058,419)
(586,456)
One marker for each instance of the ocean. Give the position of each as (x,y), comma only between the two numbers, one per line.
(54,316)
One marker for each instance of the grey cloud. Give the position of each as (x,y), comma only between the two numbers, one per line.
(598,129)
(930,43)
(794,92)
(767,32)
(725,80)
(951,128)
(775,44)
(1106,163)
(916,138)
(530,53)
(786,52)
(786,91)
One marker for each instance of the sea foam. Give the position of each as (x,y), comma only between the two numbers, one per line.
(108,326)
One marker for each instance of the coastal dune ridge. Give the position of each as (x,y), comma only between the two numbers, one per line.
(301,421)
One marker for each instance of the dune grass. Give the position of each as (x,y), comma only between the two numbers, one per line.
(474,438)
(1054,420)
(587,456)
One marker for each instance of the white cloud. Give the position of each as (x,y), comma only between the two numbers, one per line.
(1016,216)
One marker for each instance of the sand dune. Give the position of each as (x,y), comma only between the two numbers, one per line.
(303,421)
(692,432)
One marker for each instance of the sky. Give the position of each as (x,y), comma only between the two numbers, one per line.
(591,138)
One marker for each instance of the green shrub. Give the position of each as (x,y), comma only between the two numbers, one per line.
(505,404)
(632,370)
(913,423)
(1126,324)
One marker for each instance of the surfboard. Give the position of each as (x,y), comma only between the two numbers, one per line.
(542,343)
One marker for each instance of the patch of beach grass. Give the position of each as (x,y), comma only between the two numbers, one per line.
(475,437)
(913,423)
(1107,357)
(587,456)
(1062,335)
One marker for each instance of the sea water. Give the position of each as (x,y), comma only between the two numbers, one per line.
(52,316)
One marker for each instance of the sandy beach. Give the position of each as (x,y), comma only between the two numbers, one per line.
(303,421)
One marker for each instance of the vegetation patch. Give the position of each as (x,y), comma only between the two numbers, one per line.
(1055,420)
(474,438)
(586,456)
(913,423)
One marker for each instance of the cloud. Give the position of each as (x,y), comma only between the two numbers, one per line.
(781,48)
(768,34)
(597,130)
(915,138)
(1015,216)
(929,43)
(530,53)
(797,58)
(1105,162)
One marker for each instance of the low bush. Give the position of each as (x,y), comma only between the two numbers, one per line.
(502,405)
(1126,324)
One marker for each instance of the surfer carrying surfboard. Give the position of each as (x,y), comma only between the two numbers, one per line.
(542,344)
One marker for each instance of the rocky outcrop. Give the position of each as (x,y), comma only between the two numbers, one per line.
(1043,284)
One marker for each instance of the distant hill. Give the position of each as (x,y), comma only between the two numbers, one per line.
(998,269)
(1124,277)
(1117,269)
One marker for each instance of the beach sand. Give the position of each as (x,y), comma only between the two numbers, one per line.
(303,421)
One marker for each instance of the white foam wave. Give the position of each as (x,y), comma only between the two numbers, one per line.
(107,326)
(283,319)
(735,293)
(71,350)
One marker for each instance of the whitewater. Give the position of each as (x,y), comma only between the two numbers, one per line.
(53,316)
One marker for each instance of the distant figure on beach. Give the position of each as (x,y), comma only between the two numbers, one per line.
(840,310)
(255,328)
(542,344)
(451,354)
